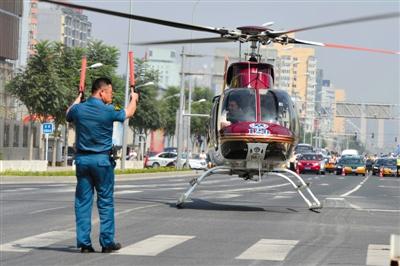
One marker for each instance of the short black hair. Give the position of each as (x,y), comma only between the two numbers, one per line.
(98,83)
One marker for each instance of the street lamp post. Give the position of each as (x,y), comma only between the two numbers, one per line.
(180,116)
(125,123)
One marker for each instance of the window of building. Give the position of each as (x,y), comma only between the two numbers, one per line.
(6,139)
(16,136)
(173,54)
(25,136)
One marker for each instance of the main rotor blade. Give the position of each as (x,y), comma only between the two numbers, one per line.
(142,18)
(341,46)
(199,40)
(337,23)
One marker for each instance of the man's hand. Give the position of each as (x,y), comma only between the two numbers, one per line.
(131,108)
(134,95)
(77,100)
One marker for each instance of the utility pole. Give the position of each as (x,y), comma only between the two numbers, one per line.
(181,111)
(125,123)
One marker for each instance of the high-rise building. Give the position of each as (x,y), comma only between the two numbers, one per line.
(62,24)
(165,61)
(296,73)
(14,140)
(339,122)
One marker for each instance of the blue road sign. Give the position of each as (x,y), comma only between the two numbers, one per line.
(47,128)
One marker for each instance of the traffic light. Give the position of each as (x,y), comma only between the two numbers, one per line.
(395,139)
(372,135)
(355,135)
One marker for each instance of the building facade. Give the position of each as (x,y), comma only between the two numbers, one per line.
(165,61)
(15,136)
(65,25)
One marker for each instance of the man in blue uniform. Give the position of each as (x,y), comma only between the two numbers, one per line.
(93,121)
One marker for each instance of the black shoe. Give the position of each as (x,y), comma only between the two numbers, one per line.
(113,247)
(87,249)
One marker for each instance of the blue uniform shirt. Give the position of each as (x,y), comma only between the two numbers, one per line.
(93,121)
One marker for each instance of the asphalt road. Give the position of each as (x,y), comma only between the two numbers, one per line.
(228,222)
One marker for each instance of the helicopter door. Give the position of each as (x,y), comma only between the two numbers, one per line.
(213,123)
(277,107)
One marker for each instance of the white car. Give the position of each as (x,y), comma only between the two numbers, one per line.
(161,159)
(196,163)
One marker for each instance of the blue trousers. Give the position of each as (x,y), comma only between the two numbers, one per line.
(94,171)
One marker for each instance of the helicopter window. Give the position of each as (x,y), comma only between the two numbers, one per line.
(268,106)
(238,106)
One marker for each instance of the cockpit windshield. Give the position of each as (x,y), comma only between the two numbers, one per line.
(239,106)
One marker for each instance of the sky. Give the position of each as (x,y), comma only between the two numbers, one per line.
(366,77)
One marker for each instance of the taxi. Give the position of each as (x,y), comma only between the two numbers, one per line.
(351,165)
(389,167)
(330,165)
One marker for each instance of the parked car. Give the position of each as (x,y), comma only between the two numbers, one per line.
(196,162)
(351,165)
(311,162)
(161,159)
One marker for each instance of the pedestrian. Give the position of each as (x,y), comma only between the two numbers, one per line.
(203,155)
(398,165)
(93,120)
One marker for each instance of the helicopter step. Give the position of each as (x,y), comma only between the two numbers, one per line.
(312,201)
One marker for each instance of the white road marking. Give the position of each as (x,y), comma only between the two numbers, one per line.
(36,241)
(378,255)
(154,245)
(226,196)
(49,209)
(22,189)
(324,184)
(122,192)
(268,249)
(250,188)
(133,209)
(356,188)
(335,198)
(282,197)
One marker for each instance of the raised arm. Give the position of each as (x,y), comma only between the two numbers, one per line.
(131,108)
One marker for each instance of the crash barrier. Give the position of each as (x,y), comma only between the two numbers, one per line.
(23,165)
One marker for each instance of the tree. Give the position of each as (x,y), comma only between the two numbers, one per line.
(147,115)
(198,127)
(40,86)
(49,83)
(169,107)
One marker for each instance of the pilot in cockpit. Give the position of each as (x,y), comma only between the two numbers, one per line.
(233,113)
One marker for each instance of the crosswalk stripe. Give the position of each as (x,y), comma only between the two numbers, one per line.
(154,245)
(378,255)
(268,249)
(121,192)
(36,241)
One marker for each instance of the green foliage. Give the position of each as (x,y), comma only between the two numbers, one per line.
(198,125)
(169,106)
(49,83)
(147,116)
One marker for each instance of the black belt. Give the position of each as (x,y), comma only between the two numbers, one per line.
(93,152)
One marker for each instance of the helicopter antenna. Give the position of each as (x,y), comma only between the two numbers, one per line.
(240,51)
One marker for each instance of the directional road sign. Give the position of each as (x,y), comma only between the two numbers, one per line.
(47,128)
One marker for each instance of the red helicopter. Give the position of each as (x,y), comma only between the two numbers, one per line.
(253,127)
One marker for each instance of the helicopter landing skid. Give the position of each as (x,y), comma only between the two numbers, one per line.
(197,180)
(312,203)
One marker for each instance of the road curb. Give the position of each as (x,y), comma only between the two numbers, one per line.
(72,179)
